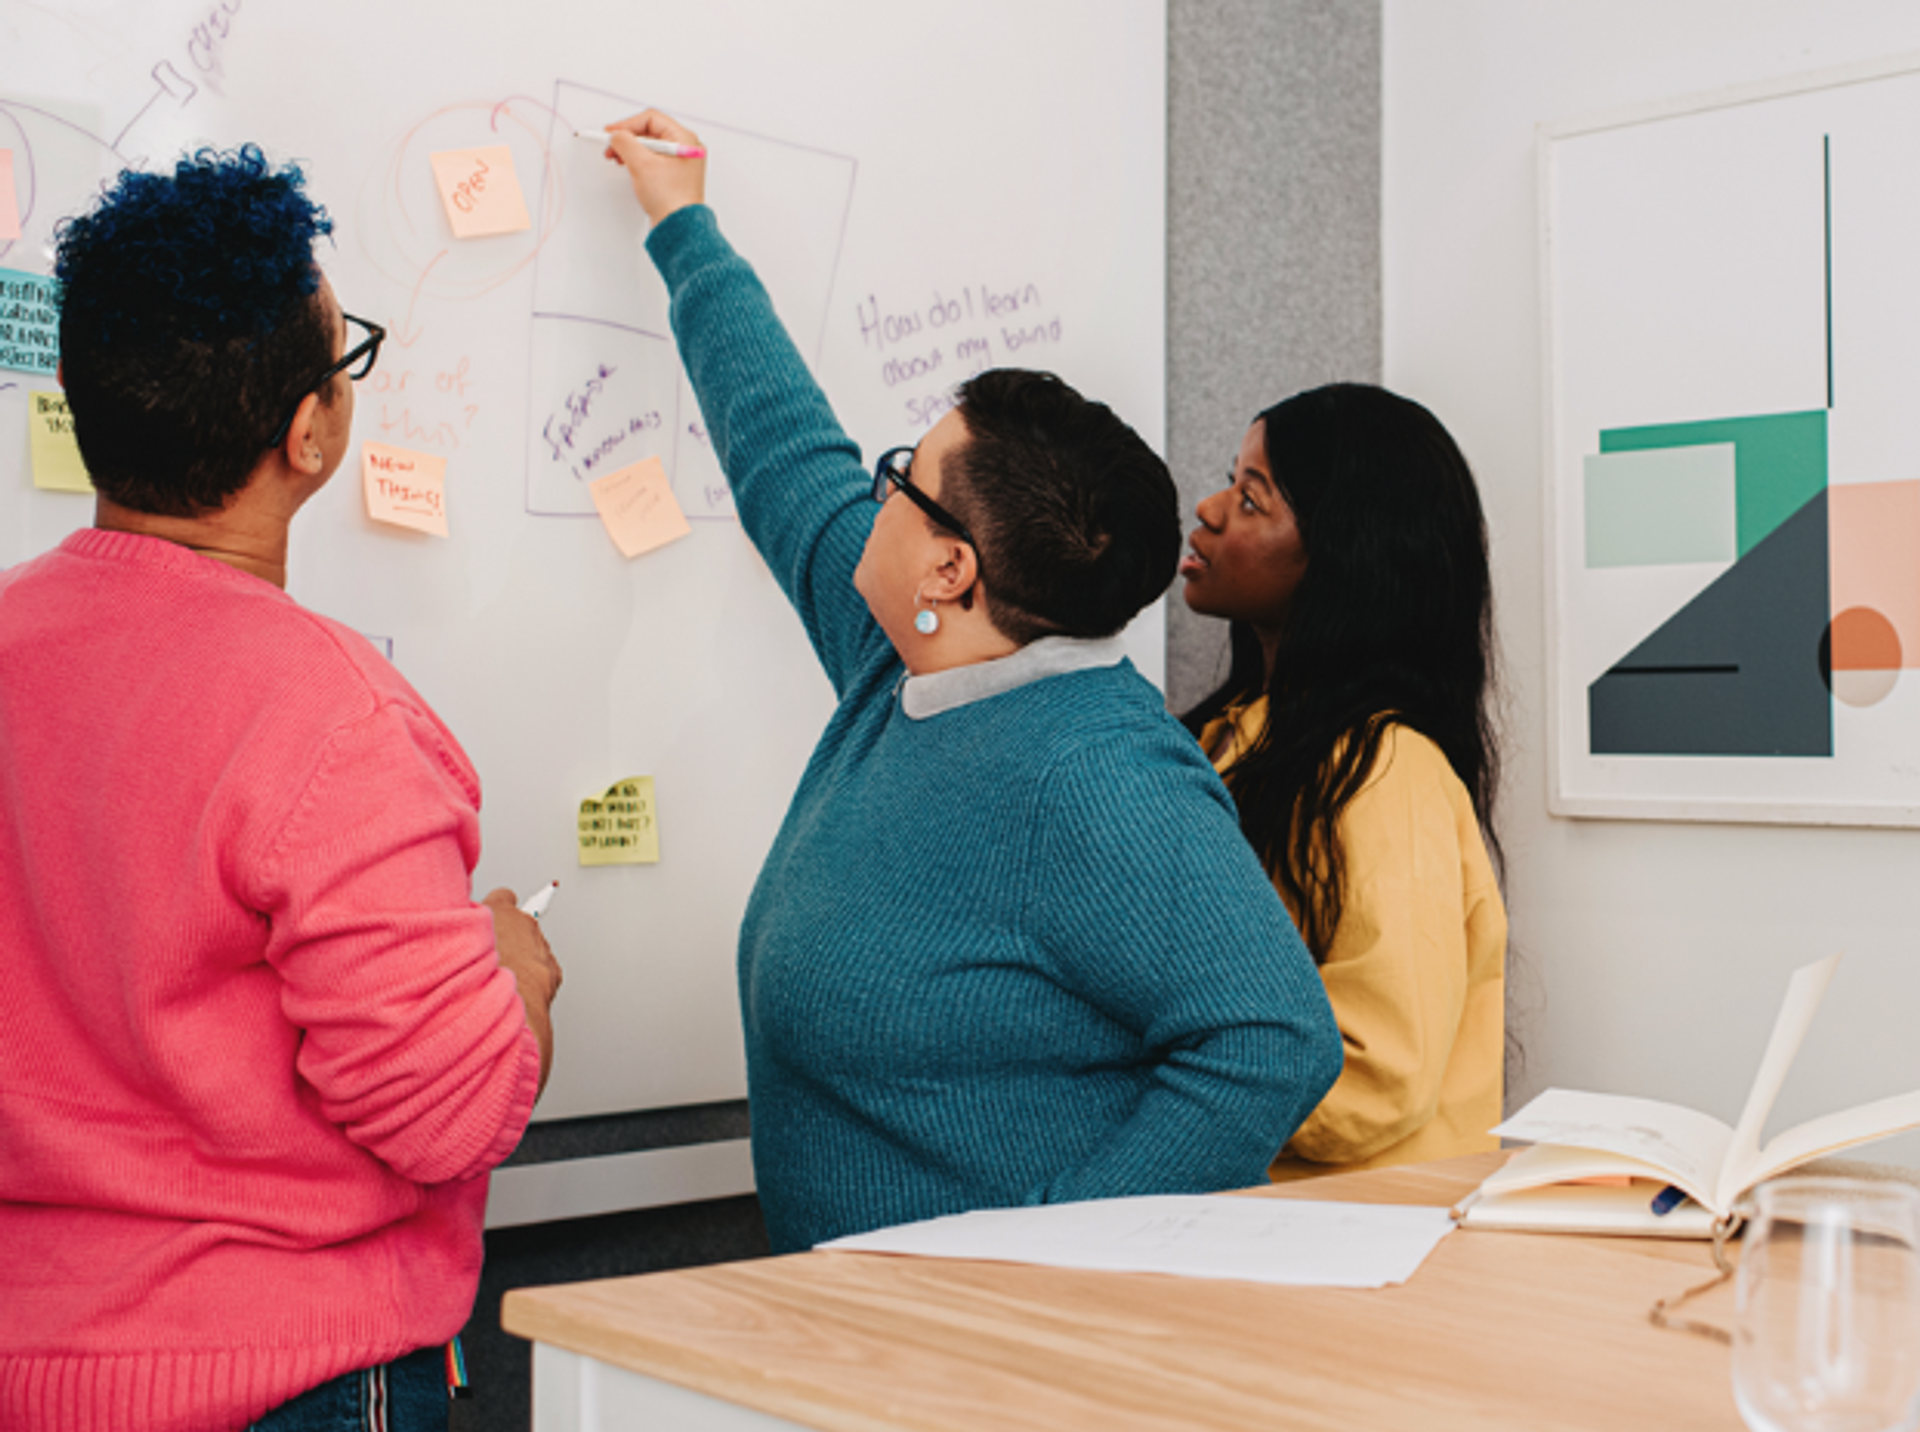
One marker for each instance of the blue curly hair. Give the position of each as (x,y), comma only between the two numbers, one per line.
(189,325)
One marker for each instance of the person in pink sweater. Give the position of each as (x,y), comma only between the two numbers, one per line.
(259,1048)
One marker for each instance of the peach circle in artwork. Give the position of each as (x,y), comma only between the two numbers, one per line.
(1864,655)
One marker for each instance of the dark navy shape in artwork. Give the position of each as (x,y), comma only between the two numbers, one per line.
(1737,671)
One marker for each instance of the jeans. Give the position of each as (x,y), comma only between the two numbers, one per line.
(408,1394)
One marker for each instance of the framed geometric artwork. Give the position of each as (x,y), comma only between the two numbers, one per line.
(1731,296)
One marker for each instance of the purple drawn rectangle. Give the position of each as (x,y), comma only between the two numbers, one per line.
(595,301)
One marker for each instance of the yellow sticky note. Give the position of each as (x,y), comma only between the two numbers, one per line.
(638,507)
(56,456)
(480,191)
(619,828)
(9,198)
(408,489)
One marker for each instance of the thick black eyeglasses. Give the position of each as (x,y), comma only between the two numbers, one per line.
(895,469)
(356,363)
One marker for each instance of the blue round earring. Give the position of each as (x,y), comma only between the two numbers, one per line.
(926,621)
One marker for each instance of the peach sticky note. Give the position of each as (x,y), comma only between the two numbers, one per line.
(56,456)
(637,505)
(9,198)
(408,489)
(480,191)
(619,828)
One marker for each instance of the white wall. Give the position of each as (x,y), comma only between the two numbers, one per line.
(1651,955)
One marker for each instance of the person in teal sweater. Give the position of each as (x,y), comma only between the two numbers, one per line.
(1009,946)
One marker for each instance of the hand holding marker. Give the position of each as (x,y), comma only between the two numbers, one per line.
(657,146)
(663,185)
(536,903)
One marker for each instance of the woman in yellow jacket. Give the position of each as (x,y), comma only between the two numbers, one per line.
(1349,554)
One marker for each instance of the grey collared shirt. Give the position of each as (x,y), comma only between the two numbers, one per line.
(929,695)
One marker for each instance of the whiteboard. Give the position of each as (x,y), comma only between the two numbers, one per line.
(1734,491)
(927,190)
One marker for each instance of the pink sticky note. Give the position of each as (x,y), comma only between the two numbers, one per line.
(407,489)
(637,505)
(480,191)
(9,201)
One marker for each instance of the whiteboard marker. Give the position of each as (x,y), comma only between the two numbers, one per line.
(658,146)
(536,903)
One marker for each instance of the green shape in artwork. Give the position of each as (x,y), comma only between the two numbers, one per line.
(1780,462)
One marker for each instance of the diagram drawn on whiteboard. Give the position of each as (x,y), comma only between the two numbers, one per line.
(606,385)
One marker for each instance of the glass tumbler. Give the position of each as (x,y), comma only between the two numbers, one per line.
(1827,1307)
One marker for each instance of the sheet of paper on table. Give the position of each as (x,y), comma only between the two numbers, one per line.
(1257,1240)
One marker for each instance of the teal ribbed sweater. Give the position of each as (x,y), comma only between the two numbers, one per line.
(1013,952)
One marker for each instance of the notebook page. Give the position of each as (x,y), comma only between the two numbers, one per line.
(1804,992)
(1689,1146)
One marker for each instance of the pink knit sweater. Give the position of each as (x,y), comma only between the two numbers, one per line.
(257,1053)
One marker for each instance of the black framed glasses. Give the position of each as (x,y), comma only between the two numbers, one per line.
(356,363)
(895,469)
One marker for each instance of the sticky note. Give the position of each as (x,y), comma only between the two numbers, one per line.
(29,323)
(636,504)
(9,198)
(480,191)
(56,456)
(619,827)
(407,489)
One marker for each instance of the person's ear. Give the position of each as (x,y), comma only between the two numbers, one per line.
(954,574)
(302,449)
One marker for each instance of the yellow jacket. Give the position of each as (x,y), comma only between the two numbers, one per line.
(1417,969)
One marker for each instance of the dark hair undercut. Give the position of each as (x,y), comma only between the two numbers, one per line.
(190,326)
(1078,520)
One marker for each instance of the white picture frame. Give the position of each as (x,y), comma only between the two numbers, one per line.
(1729,296)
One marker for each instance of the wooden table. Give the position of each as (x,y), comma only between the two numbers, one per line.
(1496,1330)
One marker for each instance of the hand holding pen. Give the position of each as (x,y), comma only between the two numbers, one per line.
(536,903)
(666,163)
(525,954)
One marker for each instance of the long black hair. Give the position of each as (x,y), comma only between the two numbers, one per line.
(1391,622)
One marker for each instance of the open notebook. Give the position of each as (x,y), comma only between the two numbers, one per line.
(1576,1136)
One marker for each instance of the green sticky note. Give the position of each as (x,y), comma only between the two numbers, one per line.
(29,323)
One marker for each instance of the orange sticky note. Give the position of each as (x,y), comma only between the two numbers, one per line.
(480,191)
(637,505)
(9,199)
(408,489)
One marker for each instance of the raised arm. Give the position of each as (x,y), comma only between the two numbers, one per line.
(797,479)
